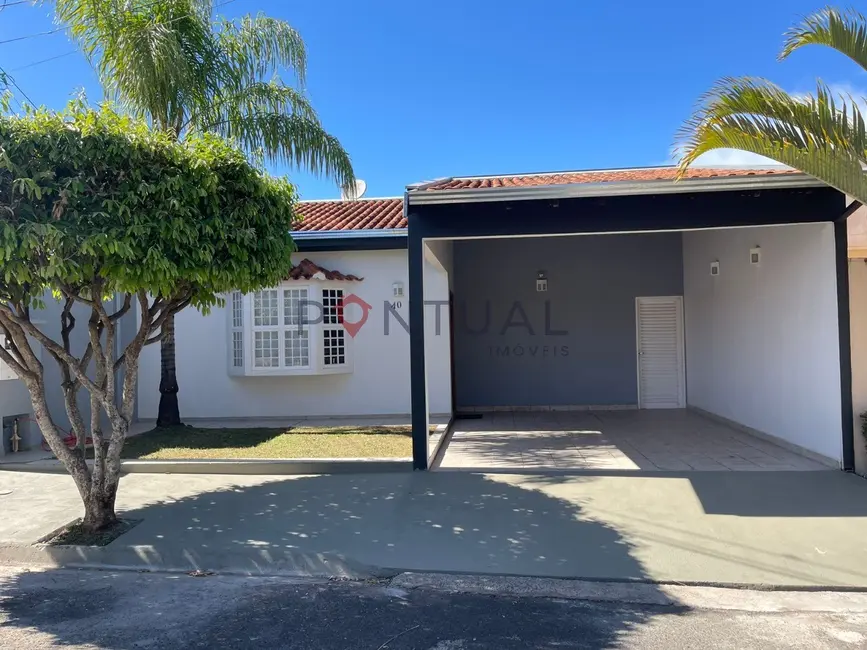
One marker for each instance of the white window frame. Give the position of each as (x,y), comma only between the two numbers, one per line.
(331,325)
(237,317)
(316,332)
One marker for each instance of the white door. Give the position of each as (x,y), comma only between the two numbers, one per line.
(660,352)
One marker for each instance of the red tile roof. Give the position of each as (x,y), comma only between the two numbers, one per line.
(307,270)
(605,176)
(386,214)
(362,214)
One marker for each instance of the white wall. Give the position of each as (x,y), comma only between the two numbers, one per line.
(379,383)
(858,324)
(762,341)
(437,333)
(15,400)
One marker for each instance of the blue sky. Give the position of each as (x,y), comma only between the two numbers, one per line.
(417,91)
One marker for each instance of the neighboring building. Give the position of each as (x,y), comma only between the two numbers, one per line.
(726,292)
(857,227)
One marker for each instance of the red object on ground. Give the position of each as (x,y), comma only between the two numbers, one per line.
(71,441)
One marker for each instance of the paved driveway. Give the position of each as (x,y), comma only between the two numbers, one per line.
(777,528)
(654,440)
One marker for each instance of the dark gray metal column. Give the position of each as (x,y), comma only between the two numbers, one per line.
(841,240)
(418,373)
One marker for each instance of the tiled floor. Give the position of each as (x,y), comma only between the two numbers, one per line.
(663,440)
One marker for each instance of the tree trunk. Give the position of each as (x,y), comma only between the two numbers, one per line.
(99,507)
(168,414)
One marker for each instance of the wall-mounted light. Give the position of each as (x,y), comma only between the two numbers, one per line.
(755,256)
(541,281)
(397,289)
(714,268)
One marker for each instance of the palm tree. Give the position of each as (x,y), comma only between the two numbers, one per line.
(819,134)
(172,63)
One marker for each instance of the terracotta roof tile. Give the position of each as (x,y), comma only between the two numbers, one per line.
(307,270)
(607,176)
(386,214)
(363,214)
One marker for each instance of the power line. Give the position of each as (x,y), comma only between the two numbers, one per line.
(24,38)
(57,56)
(41,61)
(63,28)
(17,2)
(11,80)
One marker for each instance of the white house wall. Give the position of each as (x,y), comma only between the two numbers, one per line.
(437,332)
(379,383)
(762,341)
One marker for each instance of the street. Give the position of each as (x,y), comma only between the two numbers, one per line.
(120,610)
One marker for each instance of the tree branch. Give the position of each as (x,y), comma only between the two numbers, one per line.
(127,303)
(49,344)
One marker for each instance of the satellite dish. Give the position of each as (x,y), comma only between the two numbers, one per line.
(356,192)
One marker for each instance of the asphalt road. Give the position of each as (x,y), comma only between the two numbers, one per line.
(92,609)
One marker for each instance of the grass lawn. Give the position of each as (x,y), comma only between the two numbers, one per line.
(275,442)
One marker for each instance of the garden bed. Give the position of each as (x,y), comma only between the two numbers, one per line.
(187,443)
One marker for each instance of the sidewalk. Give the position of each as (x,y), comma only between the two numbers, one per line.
(756,528)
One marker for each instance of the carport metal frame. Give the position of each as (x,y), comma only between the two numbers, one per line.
(612,208)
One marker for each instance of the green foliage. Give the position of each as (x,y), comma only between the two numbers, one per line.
(91,195)
(822,135)
(171,62)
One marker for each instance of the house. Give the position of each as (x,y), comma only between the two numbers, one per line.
(726,293)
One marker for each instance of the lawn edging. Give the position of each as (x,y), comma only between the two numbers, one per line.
(238,466)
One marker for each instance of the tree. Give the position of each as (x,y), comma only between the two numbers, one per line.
(124,227)
(819,134)
(170,62)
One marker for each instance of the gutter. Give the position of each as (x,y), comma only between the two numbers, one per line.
(617,188)
(348,234)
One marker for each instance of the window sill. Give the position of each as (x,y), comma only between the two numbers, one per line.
(287,372)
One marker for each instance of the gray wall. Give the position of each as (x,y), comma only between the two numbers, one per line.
(585,354)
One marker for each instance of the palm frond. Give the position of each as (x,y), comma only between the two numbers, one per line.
(258,46)
(844,31)
(257,98)
(291,139)
(821,119)
(152,57)
(810,134)
(167,61)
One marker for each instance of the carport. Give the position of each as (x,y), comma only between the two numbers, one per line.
(620,320)
(651,440)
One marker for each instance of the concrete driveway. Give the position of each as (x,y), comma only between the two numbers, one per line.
(757,528)
(655,440)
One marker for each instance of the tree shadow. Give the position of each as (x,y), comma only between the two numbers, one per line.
(351,525)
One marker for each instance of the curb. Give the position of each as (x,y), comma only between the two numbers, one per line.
(251,562)
(731,598)
(241,467)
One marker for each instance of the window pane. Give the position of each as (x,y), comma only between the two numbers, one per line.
(238,349)
(296,352)
(265,308)
(237,309)
(333,347)
(266,349)
(332,306)
(294,306)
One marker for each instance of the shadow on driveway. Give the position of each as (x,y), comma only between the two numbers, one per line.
(342,523)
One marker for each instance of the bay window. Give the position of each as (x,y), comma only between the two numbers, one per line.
(289,330)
